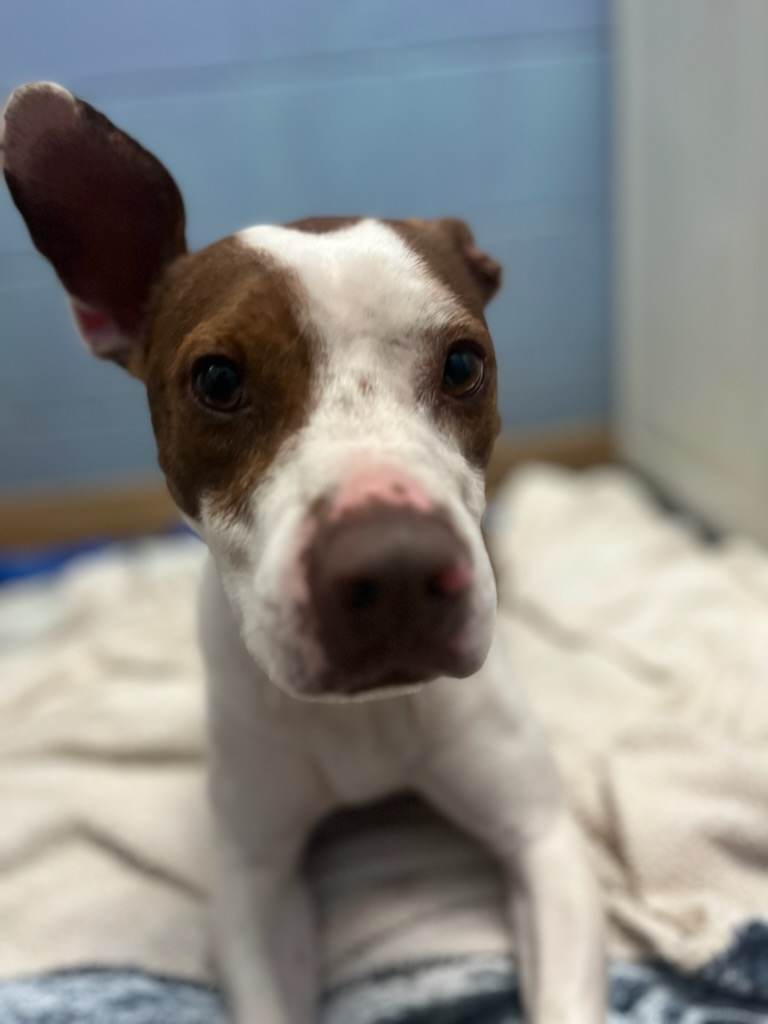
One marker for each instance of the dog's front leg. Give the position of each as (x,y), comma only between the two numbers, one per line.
(555,910)
(264,935)
(266,797)
(497,779)
(266,801)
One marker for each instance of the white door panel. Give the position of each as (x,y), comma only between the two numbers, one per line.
(692,222)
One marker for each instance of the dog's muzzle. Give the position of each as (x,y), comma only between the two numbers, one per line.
(389,592)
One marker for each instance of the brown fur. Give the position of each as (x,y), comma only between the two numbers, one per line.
(225,300)
(473,420)
(98,205)
(448,246)
(449,250)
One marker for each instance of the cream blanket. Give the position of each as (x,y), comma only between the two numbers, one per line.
(644,651)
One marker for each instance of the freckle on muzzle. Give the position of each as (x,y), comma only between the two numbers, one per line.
(389,590)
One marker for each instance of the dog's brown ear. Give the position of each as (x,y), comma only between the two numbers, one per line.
(102,209)
(485,271)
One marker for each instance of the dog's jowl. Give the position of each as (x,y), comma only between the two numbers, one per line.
(323,396)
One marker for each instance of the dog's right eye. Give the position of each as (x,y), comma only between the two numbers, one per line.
(217,382)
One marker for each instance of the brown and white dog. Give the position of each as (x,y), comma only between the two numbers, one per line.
(324,401)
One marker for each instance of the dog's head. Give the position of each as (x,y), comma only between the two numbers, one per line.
(323,397)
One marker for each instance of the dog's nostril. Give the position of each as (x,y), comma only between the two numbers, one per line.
(361,594)
(449,582)
(434,587)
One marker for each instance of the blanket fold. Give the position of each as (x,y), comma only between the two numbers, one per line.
(642,648)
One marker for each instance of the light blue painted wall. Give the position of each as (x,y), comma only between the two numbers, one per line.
(494,110)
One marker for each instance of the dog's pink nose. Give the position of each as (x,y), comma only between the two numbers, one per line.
(378,484)
(389,588)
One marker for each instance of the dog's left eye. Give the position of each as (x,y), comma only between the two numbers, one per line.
(463,371)
(217,383)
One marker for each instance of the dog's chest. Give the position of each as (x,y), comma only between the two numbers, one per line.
(363,750)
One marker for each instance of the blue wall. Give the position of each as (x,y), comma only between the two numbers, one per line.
(494,110)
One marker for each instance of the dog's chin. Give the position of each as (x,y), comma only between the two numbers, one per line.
(340,685)
(303,670)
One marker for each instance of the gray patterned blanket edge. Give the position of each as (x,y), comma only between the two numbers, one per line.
(731,989)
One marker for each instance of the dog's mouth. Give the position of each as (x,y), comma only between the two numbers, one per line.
(384,673)
(369,685)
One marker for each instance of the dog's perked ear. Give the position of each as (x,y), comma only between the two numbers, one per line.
(450,234)
(485,271)
(102,209)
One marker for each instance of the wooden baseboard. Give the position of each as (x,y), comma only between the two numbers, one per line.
(144,506)
(577,447)
(130,509)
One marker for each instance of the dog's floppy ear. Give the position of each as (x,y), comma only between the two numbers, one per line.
(484,269)
(102,209)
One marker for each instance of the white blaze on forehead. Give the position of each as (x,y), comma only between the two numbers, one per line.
(370,300)
(361,282)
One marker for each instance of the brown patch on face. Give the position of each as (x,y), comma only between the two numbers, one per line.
(365,387)
(447,247)
(227,301)
(474,419)
(323,225)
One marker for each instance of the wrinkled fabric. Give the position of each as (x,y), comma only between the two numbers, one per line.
(642,648)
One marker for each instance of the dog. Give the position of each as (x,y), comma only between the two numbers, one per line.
(323,397)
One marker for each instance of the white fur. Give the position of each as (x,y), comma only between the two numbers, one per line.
(471,747)
(278,764)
